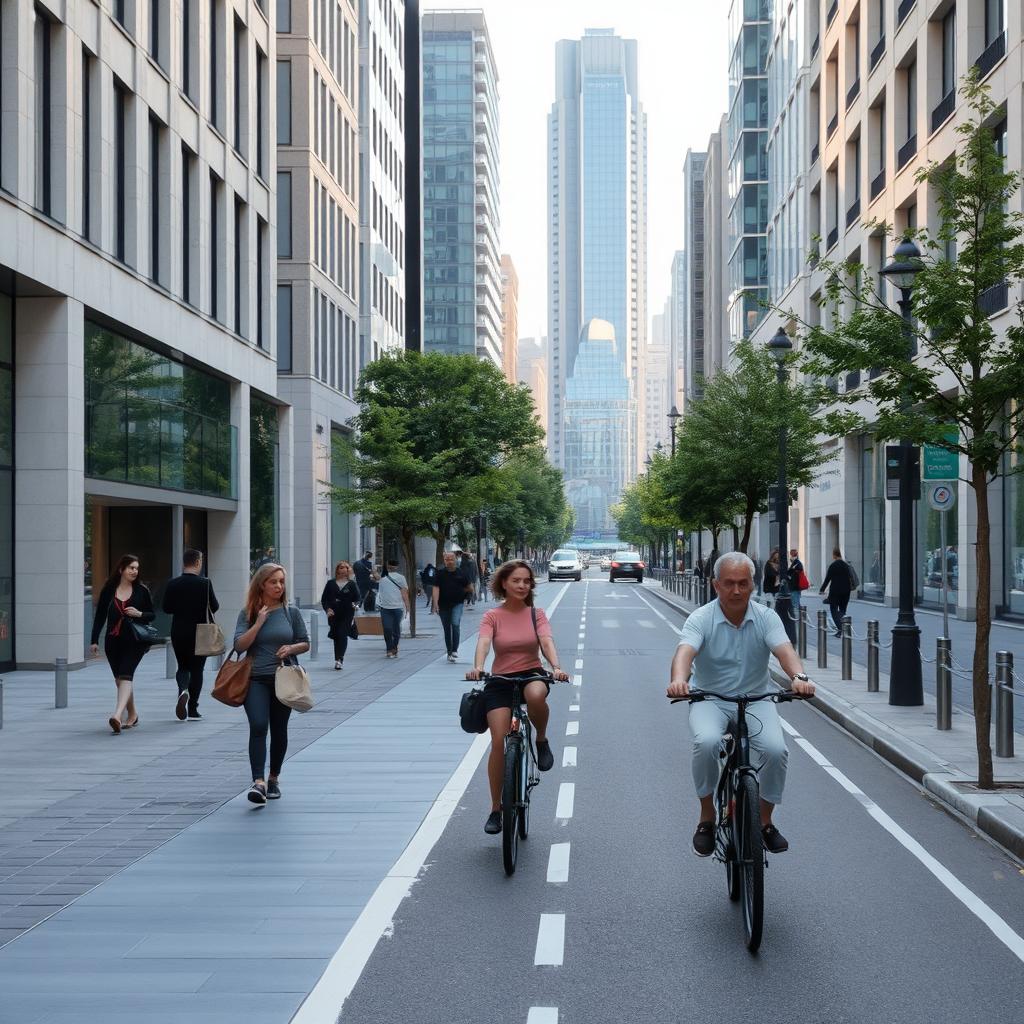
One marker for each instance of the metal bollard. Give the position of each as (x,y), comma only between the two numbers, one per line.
(314,635)
(943,684)
(822,640)
(1004,704)
(171,666)
(847,670)
(60,682)
(801,633)
(872,655)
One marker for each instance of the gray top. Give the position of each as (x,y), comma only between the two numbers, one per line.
(283,626)
(390,593)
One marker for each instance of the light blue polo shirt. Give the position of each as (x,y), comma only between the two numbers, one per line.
(733,660)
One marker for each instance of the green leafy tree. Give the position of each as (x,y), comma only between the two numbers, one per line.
(645,514)
(531,502)
(965,374)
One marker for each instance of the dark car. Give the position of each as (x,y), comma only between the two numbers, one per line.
(626,565)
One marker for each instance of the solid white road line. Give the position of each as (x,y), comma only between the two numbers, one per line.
(572,728)
(579,663)
(550,941)
(1002,931)
(542,1015)
(549,610)
(324,1003)
(566,799)
(558,863)
(568,757)
(657,611)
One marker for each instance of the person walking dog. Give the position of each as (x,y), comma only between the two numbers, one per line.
(187,599)
(340,599)
(123,602)
(271,632)
(393,597)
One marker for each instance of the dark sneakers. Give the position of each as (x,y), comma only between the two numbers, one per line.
(545,759)
(273,790)
(493,824)
(774,840)
(181,706)
(258,794)
(704,839)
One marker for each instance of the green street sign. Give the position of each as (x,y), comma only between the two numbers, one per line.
(940,463)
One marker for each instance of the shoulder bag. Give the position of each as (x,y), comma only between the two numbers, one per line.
(232,683)
(144,632)
(209,636)
(473,711)
(291,684)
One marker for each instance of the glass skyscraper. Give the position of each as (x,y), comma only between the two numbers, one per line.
(461,258)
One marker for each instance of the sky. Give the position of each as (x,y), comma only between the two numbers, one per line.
(683,78)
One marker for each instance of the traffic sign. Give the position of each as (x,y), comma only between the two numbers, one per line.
(940,463)
(941,497)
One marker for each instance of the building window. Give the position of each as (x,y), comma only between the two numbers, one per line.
(949,52)
(155,41)
(189,46)
(262,135)
(1013,534)
(88,72)
(121,12)
(43,113)
(120,170)
(284,102)
(911,84)
(261,277)
(239,262)
(264,450)
(284,214)
(284,328)
(872,504)
(216,66)
(284,15)
(188,177)
(241,69)
(215,213)
(155,192)
(995,20)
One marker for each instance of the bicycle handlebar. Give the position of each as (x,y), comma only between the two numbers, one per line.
(779,696)
(544,677)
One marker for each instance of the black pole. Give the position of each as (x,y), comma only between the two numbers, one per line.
(783,604)
(905,687)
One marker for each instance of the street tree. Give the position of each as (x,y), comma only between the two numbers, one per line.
(644,514)
(963,373)
(529,504)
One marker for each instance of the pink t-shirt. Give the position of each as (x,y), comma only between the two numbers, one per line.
(513,638)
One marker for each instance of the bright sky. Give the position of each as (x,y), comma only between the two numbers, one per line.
(683,71)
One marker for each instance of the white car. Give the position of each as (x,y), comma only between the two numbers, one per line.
(565,563)
(606,563)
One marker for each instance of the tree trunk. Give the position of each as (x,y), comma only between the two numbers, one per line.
(748,525)
(409,553)
(440,536)
(982,632)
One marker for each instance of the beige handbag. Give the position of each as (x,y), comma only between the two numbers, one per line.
(291,687)
(209,636)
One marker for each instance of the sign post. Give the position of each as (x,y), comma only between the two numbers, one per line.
(942,497)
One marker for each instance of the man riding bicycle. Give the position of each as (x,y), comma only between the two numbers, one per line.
(724,648)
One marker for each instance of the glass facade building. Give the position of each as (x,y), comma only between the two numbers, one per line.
(599,413)
(461,258)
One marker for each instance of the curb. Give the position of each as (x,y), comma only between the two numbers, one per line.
(989,813)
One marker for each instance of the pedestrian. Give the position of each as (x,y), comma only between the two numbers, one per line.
(271,632)
(469,567)
(365,579)
(796,574)
(485,578)
(427,579)
(123,602)
(519,633)
(188,599)
(340,599)
(393,594)
(839,583)
(450,589)
(770,583)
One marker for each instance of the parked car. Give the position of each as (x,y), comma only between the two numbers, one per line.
(606,563)
(626,564)
(565,563)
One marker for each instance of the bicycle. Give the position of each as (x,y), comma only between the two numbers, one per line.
(520,773)
(738,841)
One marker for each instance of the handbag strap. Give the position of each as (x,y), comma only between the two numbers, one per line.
(209,614)
(533,619)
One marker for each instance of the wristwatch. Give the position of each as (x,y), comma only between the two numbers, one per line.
(802,677)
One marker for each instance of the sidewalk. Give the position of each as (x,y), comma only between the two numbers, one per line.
(943,762)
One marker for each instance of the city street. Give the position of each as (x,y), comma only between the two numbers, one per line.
(886,907)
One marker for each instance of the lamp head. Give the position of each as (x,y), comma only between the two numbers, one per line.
(904,266)
(674,415)
(780,346)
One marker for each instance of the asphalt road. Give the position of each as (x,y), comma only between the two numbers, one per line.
(869,917)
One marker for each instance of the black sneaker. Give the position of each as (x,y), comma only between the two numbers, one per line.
(493,824)
(180,707)
(774,840)
(704,839)
(258,794)
(194,713)
(273,790)
(545,759)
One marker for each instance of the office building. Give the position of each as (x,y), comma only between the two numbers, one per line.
(461,254)
(693,233)
(532,370)
(656,381)
(318,268)
(509,318)
(677,330)
(597,214)
(717,342)
(137,336)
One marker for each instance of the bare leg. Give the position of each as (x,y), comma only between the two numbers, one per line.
(707,807)
(537,704)
(498,721)
(124,695)
(766,813)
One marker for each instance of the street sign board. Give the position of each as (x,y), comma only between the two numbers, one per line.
(941,497)
(940,463)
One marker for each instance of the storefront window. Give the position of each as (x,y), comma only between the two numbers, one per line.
(872,504)
(928,585)
(263,482)
(1013,534)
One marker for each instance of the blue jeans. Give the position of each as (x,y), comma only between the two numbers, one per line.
(391,623)
(451,620)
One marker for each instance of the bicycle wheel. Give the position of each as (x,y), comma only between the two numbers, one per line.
(751,854)
(523,818)
(509,808)
(727,826)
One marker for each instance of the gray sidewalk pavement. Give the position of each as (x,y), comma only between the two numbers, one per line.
(944,762)
(79,804)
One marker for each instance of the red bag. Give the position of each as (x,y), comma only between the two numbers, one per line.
(802,582)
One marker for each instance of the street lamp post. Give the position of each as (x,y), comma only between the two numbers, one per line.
(673,419)
(650,544)
(905,688)
(780,347)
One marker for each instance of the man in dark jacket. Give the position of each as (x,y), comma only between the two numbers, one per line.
(839,584)
(365,577)
(186,599)
(451,587)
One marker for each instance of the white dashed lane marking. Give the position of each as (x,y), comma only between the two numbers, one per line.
(572,728)
(550,950)
(579,663)
(542,1015)
(558,864)
(569,757)
(566,799)
(574,707)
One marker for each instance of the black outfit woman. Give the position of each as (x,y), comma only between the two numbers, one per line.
(839,585)
(771,577)
(340,598)
(123,650)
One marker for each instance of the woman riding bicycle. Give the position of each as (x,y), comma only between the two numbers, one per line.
(519,632)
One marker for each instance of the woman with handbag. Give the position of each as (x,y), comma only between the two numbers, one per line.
(339,600)
(271,632)
(126,607)
(519,633)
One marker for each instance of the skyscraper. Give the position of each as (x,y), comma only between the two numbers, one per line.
(693,224)
(461,275)
(597,214)
(509,317)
